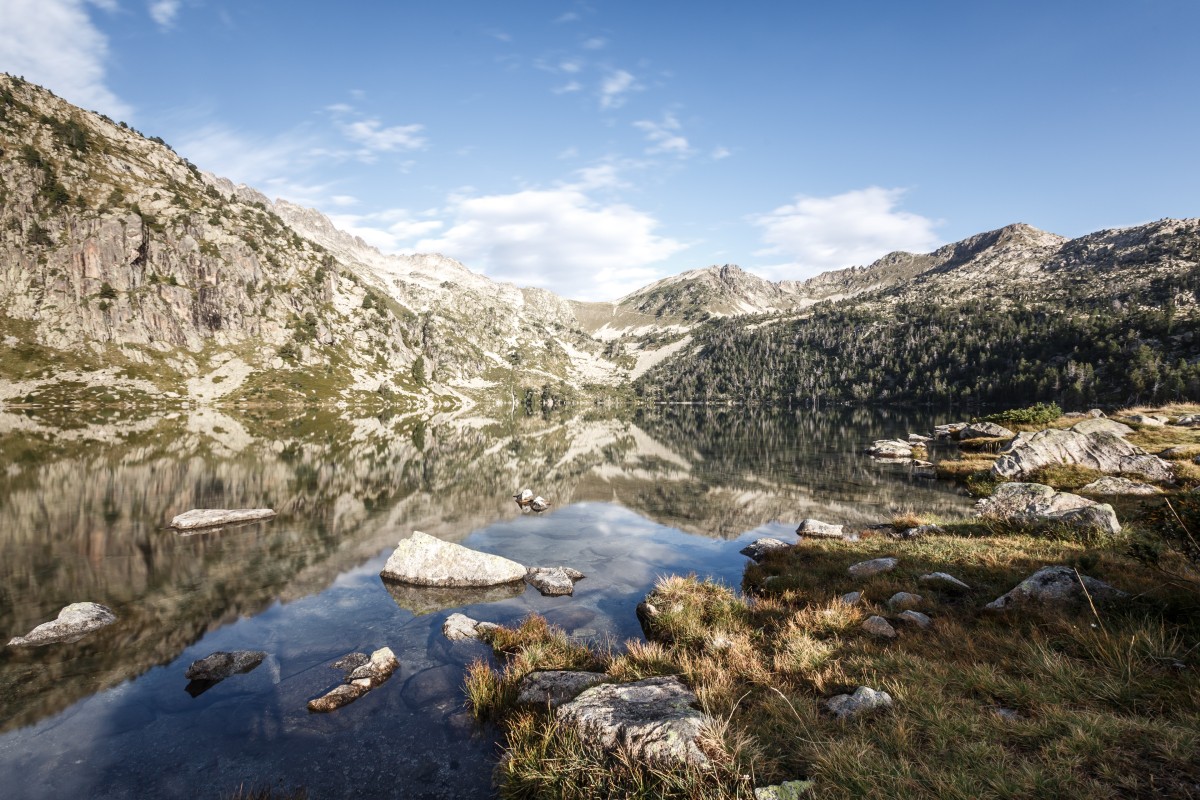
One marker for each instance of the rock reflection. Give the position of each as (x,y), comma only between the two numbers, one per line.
(429,599)
(83,511)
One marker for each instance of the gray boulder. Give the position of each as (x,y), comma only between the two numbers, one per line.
(1105,452)
(553,581)
(335,698)
(917,438)
(653,720)
(915,618)
(760,547)
(866,569)
(427,561)
(1100,425)
(1147,420)
(815,527)
(863,700)
(220,665)
(459,626)
(1189,421)
(943,580)
(878,626)
(903,601)
(1034,503)
(1057,586)
(788,790)
(1110,486)
(554,687)
(212,517)
(891,448)
(851,598)
(949,431)
(985,430)
(73,623)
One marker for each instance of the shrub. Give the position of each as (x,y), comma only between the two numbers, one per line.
(1036,414)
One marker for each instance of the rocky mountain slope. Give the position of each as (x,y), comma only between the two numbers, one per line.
(118,255)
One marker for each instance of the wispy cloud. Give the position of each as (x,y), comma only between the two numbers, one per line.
(164,12)
(375,138)
(595,43)
(568,87)
(719,153)
(389,230)
(816,234)
(271,164)
(615,86)
(54,43)
(665,136)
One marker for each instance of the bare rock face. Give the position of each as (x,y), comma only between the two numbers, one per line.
(220,665)
(1110,486)
(815,527)
(865,699)
(554,687)
(553,581)
(866,569)
(426,561)
(653,720)
(1102,451)
(1033,503)
(1101,425)
(985,430)
(1057,586)
(73,623)
(459,626)
(760,547)
(212,517)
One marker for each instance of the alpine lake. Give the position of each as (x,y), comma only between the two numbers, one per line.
(85,505)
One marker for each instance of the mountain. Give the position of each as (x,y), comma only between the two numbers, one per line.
(126,272)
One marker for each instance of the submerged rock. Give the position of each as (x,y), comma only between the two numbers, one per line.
(212,517)
(760,547)
(1105,452)
(424,560)
(866,569)
(554,687)
(220,665)
(362,674)
(1032,503)
(339,696)
(815,527)
(1057,586)
(864,699)
(553,581)
(73,623)
(652,720)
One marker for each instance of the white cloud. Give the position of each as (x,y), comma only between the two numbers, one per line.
(164,12)
(343,200)
(389,230)
(269,164)
(817,234)
(557,238)
(570,86)
(719,153)
(665,136)
(614,87)
(54,43)
(375,138)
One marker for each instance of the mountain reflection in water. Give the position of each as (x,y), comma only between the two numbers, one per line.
(83,514)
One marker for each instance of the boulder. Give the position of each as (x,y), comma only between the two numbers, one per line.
(788,790)
(985,430)
(760,547)
(1034,503)
(915,618)
(864,699)
(1189,421)
(1101,425)
(459,626)
(553,581)
(815,527)
(903,601)
(220,665)
(865,569)
(423,560)
(891,448)
(654,720)
(554,687)
(948,431)
(73,623)
(1147,420)
(379,668)
(916,438)
(335,698)
(851,598)
(1110,486)
(1057,586)
(212,517)
(1105,452)
(943,580)
(878,626)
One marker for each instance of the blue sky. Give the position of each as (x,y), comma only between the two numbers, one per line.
(593,147)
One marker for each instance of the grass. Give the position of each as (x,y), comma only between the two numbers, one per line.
(1097,703)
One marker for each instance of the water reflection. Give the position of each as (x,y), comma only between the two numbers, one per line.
(83,514)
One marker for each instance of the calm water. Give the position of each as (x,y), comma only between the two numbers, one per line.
(82,515)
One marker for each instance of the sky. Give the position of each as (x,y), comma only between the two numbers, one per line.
(593,147)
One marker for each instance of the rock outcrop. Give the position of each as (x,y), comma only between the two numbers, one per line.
(73,623)
(1034,503)
(553,687)
(423,560)
(1101,451)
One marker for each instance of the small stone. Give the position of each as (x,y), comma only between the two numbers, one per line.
(863,700)
(878,626)
(1008,714)
(852,598)
(916,438)
(459,626)
(220,665)
(553,581)
(815,527)
(339,696)
(916,618)
(902,601)
(866,569)
(378,669)
(943,580)
(760,547)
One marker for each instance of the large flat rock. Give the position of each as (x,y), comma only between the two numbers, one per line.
(424,560)
(1033,503)
(212,517)
(1101,451)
